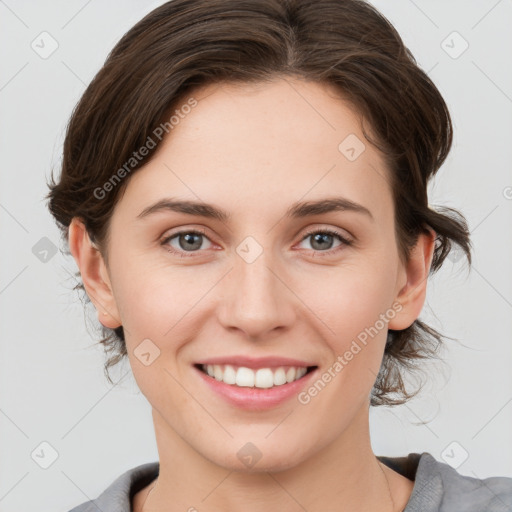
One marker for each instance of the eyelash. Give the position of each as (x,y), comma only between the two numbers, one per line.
(184,254)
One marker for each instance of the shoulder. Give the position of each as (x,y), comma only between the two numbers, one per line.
(118,495)
(439,487)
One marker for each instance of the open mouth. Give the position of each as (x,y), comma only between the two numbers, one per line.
(263,378)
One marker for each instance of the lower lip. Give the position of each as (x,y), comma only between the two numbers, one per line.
(256,398)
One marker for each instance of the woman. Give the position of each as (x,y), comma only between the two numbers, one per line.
(220,146)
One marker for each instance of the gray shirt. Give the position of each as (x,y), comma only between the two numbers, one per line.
(437,488)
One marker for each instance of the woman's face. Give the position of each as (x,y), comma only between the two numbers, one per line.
(255,284)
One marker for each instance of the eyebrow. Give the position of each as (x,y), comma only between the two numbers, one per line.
(296,210)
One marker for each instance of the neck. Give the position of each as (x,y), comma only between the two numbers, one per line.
(343,475)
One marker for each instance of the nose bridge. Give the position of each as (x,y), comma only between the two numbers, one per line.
(257,300)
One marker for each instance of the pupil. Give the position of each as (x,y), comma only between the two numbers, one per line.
(189,240)
(321,238)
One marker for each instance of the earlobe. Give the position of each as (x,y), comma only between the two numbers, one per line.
(412,295)
(94,274)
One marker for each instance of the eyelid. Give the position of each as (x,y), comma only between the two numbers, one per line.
(171,234)
(342,233)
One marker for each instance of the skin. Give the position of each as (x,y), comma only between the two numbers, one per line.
(253,151)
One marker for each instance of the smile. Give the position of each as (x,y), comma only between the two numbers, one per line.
(263,378)
(255,383)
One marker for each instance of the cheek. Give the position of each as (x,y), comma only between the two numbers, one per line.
(351,298)
(156,311)
(151,295)
(160,304)
(352,305)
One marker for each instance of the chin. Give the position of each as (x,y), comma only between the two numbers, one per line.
(274,461)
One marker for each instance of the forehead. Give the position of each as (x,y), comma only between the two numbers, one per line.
(258,146)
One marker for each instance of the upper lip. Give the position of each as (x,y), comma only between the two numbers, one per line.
(255,362)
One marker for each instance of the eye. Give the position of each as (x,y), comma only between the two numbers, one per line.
(188,241)
(322,240)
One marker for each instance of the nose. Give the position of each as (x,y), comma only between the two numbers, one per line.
(256,297)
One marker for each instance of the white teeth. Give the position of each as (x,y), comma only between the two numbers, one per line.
(244,377)
(261,378)
(229,376)
(301,372)
(279,377)
(290,374)
(264,378)
(217,372)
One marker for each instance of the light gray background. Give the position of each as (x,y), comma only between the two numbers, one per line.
(51,375)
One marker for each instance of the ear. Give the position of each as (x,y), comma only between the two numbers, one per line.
(94,274)
(412,294)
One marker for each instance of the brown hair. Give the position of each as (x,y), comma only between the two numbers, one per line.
(184,44)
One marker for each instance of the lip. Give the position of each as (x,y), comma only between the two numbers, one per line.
(256,362)
(256,399)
